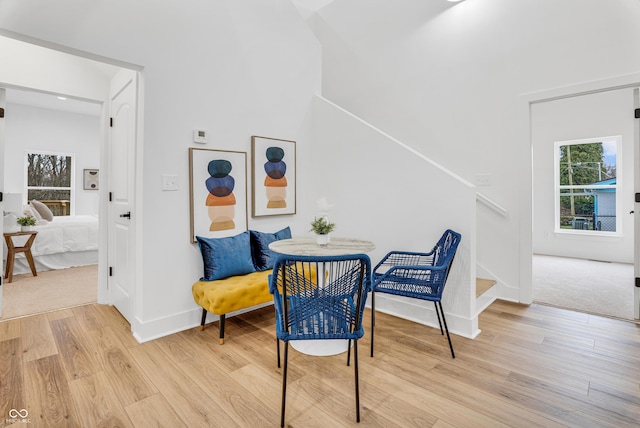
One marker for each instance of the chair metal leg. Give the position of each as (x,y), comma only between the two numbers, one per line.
(278,346)
(447,330)
(438,314)
(373,317)
(349,353)
(355,358)
(284,382)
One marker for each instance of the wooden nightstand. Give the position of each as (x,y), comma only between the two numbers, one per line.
(11,254)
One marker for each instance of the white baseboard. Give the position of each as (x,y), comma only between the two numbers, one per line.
(145,331)
(423,312)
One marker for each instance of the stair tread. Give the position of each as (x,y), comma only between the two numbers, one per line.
(483,284)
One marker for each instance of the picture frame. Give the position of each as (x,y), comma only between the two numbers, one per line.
(91,179)
(217,193)
(273,165)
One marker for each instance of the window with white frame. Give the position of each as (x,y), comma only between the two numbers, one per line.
(50,179)
(586,181)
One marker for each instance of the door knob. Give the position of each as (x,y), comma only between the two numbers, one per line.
(127,215)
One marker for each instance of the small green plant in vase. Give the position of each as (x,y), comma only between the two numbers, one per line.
(322,228)
(27,222)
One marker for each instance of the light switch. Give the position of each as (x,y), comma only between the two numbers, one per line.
(169,182)
(483,179)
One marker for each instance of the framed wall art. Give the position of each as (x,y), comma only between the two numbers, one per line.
(90,179)
(218,192)
(273,163)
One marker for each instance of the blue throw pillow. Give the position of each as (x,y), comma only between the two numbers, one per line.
(263,257)
(225,257)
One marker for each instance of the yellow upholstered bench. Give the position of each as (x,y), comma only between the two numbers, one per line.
(231,294)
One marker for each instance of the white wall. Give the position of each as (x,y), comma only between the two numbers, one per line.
(232,68)
(30,66)
(447,80)
(37,129)
(382,192)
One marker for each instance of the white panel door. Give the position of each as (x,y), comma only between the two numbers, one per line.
(636,131)
(121,187)
(2,105)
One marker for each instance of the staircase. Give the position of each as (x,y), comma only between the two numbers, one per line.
(485,293)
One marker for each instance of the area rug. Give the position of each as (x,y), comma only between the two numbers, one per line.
(588,286)
(49,291)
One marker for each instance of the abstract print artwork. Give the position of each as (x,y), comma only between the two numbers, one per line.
(274,176)
(218,184)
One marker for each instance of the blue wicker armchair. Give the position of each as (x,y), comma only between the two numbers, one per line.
(320,298)
(418,275)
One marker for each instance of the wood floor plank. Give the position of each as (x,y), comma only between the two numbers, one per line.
(266,387)
(50,403)
(97,402)
(237,401)
(530,366)
(126,376)
(196,408)
(37,340)
(152,412)
(62,313)
(88,317)
(12,394)
(109,315)
(78,355)
(9,329)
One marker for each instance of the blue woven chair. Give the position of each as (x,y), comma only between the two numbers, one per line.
(418,275)
(320,298)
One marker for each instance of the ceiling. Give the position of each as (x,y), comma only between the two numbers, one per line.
(52,102)
(45,63)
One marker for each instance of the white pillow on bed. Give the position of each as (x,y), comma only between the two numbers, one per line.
(42,209)
(28,210)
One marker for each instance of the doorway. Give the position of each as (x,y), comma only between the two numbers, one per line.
(566,246)
(83,79)
(63,136)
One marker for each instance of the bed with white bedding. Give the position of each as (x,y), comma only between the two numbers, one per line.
(67,241)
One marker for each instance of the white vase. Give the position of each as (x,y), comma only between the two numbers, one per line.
(26,228)
(323,239)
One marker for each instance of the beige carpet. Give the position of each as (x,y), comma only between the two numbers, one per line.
(584,285)
(50,290)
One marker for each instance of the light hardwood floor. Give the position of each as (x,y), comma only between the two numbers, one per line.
(530,366)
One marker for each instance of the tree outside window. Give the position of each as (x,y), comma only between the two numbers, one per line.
(586,184)
(49,180)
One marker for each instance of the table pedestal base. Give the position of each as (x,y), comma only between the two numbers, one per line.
(320,348)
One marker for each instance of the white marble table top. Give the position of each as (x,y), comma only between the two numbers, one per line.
(309,247)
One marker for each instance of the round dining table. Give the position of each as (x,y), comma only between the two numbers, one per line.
(309,247)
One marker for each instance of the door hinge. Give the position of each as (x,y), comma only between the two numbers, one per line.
(110,196)
(637,114)
(110,271)
(1,112)
(111,122)
(638,282)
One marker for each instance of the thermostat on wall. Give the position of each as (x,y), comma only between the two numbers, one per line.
(199,136)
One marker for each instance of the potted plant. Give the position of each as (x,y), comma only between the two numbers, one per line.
(27,222)
(322,228)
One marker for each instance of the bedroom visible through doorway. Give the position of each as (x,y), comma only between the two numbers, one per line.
(66,247)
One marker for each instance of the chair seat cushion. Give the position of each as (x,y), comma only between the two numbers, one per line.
(233,293)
